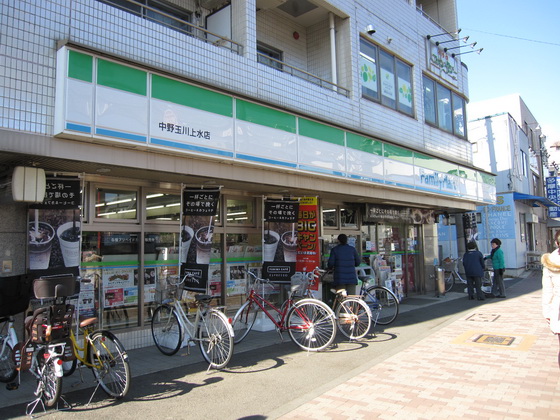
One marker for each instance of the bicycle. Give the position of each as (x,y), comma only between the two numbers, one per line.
(8,340)
(103,353)
(210,328)
(353,316)
(309,322)
(382,302)
(452,273)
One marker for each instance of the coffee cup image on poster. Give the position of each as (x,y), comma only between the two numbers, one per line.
(197,239)
(53,238)
(280,242)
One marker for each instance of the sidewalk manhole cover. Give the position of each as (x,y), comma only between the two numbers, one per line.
(496,340)
(481,339)
(483,317)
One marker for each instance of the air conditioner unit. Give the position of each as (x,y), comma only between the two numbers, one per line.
(25,184)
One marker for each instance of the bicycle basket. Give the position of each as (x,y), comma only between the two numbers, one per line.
(449,264)
(170,288)
(300,284)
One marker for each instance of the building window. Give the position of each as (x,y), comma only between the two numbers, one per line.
(116,204)
(443,108)
(156,11)
(240,211)
(385,78)
(269,56)
(163,207)
(523,163)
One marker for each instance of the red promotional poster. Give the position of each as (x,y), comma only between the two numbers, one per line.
(308,253)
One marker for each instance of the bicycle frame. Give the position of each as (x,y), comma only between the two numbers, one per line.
(186,325)
(263,303)
(11,336)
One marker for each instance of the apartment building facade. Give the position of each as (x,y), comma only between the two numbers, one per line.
(359,106)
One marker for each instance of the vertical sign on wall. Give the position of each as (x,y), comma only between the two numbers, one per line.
(280,239)
(199,209)
(308,256)
(54,229)
(553,195)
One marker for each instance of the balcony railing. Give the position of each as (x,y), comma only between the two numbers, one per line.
(173,22)
(302,74)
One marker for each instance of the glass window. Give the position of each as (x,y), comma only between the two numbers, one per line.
(330,217)
(266,52)
(387,76)
(368,71)
(160,206)
(404,86)
(429,101)
(458,115)
(110,261)
(349,217)
(444,108)
(116,204)
(384,77)
(240,211)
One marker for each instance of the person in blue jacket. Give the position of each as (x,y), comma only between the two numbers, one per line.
(473,262)
(344,259)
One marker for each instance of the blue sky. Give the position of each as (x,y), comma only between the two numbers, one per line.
(521,41)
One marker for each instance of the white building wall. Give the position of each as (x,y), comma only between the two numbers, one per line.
(30,31)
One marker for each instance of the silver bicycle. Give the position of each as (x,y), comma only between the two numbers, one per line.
(172,328)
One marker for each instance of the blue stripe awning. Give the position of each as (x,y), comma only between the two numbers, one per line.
(534,200)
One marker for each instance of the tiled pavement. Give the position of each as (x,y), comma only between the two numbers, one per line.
(497,362)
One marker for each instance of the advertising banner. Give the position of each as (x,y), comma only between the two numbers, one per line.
(308,256)
(54,229)
(280,239)
(199,208)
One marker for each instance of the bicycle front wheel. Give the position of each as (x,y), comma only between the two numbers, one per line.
(166,330)
(110,363)
(244,320)
(8,371)
(215,339)
(50,385)
(353,318)
(311,324)
(383,304)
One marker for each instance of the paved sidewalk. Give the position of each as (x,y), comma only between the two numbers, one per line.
(497,362)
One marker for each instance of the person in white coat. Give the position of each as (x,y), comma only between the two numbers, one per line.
(551,289)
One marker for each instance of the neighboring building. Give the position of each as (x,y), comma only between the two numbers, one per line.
(360,104)
(507,140)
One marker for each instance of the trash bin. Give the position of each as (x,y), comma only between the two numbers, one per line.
(440,281)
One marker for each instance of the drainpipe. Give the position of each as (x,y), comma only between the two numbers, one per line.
(332,32)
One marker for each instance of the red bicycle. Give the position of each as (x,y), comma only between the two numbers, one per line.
(310,323)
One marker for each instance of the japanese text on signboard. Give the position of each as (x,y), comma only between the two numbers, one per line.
(200,202)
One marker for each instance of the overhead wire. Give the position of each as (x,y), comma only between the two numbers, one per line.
(514,37)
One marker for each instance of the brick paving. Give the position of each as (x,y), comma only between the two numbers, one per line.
(497,362)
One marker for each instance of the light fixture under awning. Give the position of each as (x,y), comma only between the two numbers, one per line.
(534,200)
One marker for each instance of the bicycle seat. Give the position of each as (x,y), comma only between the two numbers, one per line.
(342,292)
(86,322)
(203,298)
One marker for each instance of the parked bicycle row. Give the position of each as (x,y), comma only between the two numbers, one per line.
(57,341)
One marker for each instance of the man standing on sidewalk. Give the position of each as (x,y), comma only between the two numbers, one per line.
(473,262)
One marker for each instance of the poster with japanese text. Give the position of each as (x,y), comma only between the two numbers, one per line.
(280,238)
(199,209)
(308,256)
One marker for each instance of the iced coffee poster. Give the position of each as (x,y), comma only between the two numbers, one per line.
(199,209)
(54,229)
(280,239)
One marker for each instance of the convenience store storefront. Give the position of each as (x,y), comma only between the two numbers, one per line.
(152,135)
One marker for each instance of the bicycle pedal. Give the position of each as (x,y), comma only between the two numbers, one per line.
(12,386)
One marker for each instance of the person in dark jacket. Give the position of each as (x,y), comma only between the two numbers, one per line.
(344,259)
(473,262)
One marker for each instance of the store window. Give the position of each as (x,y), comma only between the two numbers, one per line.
(110,261)
(330,217)
(163,207)
(385,78)
(443,108)
(116,204)
(243,252)
(240,211)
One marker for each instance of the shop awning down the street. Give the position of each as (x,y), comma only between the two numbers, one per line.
(534,200)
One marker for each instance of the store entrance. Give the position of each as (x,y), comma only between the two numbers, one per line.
(393,250)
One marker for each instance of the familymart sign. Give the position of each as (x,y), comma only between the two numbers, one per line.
(103,100)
